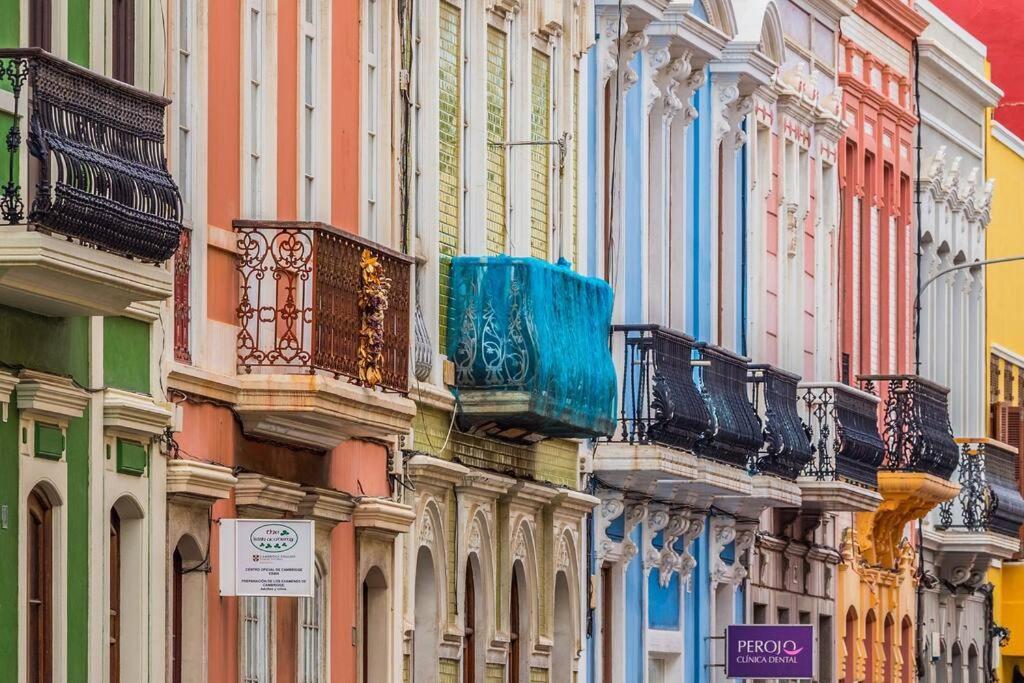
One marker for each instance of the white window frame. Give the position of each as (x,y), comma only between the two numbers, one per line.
(312,632)
(262,649)
(372,32)
(259,110)
(314,81)
(185,39)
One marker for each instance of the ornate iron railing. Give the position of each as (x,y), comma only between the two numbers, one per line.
(989,498)
(183,298)
(787,440)
(96,168)
(844,433)
(314,298)
(915,424)
(660,400)
(738,435)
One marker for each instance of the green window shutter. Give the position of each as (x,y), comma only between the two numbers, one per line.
(497,96)
(49,441)
(132,457)
(449,84)
(540,124)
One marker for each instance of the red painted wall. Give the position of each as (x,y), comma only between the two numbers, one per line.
(997,24)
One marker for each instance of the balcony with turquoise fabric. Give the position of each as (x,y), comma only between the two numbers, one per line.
(529,340)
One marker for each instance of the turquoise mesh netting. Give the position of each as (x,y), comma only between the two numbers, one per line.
(525,325)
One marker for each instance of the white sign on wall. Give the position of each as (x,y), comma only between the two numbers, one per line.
(266,557)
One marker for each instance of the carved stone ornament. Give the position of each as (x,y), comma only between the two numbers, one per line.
(426,531)
(475,542)
(634,515)
(519,547)
(657,519)
(632,44)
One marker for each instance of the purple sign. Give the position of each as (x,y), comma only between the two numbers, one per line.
(769,651)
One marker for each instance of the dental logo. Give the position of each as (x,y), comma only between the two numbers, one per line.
(770,651)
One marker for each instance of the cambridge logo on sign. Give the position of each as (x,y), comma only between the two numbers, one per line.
(769,651)
(261,557)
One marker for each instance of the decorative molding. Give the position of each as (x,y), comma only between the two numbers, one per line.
(8,381)
(44,396)
(257,495)
(135,414)
(198,483)
(327,507)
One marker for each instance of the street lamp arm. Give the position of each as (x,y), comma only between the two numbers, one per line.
(933,278)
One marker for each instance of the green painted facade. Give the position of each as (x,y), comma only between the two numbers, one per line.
(56,345)
(78,32)
(126,354)
(9,545)
(78,548)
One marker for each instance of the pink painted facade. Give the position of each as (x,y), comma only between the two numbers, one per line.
(876,160)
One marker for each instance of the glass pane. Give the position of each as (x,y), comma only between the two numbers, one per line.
(183,93)
(254,43)
(183,23)
(309,70)
(309,11)
(309,151)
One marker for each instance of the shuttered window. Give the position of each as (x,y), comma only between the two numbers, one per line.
(497,106)
(540,124)
(255,634)
(123,48)
(311,633)
(449,84)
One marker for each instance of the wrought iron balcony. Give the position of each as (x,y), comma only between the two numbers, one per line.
(529,340)
(915,425)
(787,440)
(660,400)
(96,168)
(683,394)
(989,498)
(844,432)
(315,299)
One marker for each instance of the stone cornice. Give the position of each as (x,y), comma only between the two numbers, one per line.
(198,483)
(427,469)
(984,92)
(134,414)
(8,380)
(383,514)
(486,484)
(41,395)
(326,507)
(257,495)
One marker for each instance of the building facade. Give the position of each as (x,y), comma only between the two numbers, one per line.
(512,367)
(90,222)
(288,362)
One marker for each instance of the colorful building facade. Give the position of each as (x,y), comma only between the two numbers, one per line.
(91,221)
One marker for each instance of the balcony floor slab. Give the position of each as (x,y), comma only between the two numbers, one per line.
(668,474)
(54,276)
(836,496)
(319,412)
(964,556)
(766,492)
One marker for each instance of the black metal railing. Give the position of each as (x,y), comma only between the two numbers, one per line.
(96,168)
(844,433)
(787,440)
(659,399)
(738,433)
(684,394)
(989,498)
(915,424)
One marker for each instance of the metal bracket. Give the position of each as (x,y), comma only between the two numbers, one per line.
(562,143)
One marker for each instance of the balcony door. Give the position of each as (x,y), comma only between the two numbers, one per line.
(122,58)
(40,24)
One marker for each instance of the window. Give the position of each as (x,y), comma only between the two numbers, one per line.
(497,126)
(540,155)
(114,567)
(123,48)
(449,82)
(375,626)
(255,633)
(469,646)
(371,97)
(254,106)
(40,24)
(183,104)
(515,634)
(40,589)
(177,566)
(312,632)
(825,670)
(607,638)
(424,646)
(310,40)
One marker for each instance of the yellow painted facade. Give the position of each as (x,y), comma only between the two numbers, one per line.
(875,587)
(1005,333)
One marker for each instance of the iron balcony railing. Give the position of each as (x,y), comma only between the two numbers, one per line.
(989,498)
(684,394)
(95,168)
(915,424)
(844,432)
(314,298)
(787,440)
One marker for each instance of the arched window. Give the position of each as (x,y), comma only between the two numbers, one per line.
(941,667)
(123,47)
(254,613)
(565,638)
(469,642)
(906,648)
(850,645)
(114,599)
(887,644)
(514,633)
(973,665)
(188,611)
(870,636)
(957,660)
(312,631)
(375,626)
(426,626)
(40,588)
